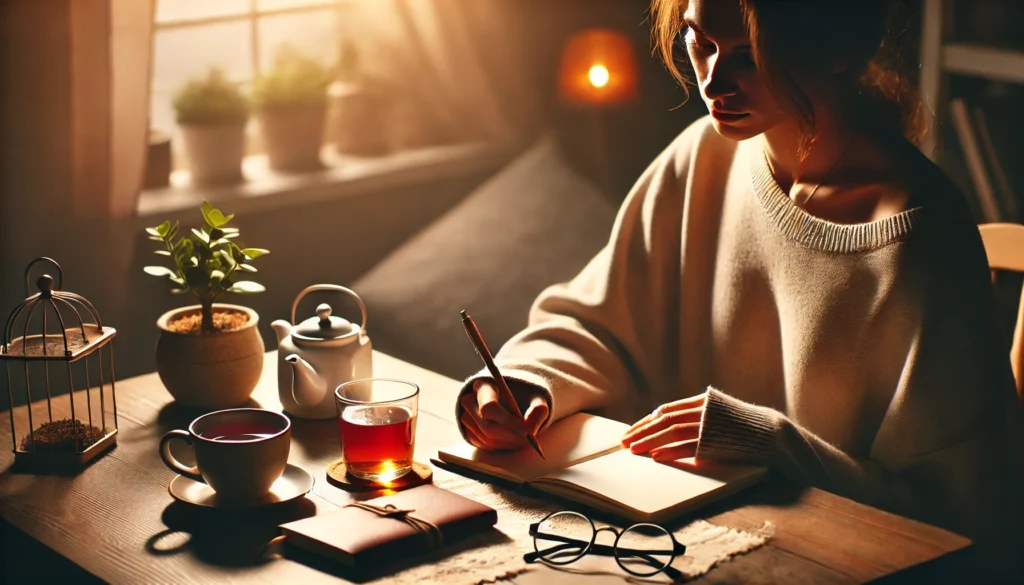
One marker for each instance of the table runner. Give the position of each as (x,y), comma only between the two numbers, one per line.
(499,554)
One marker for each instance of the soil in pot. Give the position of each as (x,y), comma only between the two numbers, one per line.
(222,321)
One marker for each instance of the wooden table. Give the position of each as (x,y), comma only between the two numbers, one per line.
(117,521)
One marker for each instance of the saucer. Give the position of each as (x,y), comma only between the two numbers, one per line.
(294,483)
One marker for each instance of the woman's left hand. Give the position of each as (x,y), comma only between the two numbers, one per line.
(668,433)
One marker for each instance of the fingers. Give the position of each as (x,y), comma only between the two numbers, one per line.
(490,408)
(674,451)
(536,414)
(684,404)
(678,417)
(672,434)
(482,437)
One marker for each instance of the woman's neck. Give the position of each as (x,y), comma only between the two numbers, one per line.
(834,135)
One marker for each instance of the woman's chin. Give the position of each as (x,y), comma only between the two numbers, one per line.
(738,131)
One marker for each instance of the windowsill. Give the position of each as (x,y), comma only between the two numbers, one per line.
(342,176)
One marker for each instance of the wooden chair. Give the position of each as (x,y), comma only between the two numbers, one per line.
(1004,245)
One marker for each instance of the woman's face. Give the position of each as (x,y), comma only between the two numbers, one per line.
(735,92)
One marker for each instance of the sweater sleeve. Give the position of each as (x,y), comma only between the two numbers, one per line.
(603,338)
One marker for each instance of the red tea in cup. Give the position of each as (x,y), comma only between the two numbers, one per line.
(377,425)
(377,440)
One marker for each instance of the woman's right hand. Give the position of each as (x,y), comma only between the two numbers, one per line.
(490,426)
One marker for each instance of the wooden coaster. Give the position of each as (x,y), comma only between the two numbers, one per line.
(337,475)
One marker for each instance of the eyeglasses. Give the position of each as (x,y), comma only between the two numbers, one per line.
(641,550)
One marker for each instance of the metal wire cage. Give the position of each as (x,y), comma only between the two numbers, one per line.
(60,331)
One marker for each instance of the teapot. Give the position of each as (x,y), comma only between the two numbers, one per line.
(318,355)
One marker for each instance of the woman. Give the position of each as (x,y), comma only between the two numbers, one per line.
(790,283)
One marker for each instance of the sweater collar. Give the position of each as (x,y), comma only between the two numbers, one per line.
(813,232)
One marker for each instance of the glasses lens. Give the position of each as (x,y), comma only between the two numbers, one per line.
(563,537)
(644,549)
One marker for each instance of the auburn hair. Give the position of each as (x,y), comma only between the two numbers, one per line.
(791,40)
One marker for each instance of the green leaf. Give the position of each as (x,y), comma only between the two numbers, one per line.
(161,252)
(163,228)
(229,230)
(229,235)
(178,281)
(173,231)
(214,218)
(255,252)
(215,277)
(179,291)
(202,235)
(226,258)
(156,238)
(247,287)
(153,232)
(158,271)
(247,267)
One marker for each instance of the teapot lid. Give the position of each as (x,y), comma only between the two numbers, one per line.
(324,325)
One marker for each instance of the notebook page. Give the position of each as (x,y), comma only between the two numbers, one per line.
(646,486)
(571,440)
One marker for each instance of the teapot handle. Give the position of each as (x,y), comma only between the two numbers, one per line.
(334,287)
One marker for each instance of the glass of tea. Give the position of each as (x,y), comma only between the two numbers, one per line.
(377,424)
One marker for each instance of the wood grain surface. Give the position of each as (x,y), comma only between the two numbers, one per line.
(116,520)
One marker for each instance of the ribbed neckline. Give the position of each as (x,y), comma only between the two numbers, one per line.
(819,234)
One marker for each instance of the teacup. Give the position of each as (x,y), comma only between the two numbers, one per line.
(240,452)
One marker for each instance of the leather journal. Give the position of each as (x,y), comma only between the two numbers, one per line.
(399,525)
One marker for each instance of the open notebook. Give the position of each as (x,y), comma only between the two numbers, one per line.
(586,463)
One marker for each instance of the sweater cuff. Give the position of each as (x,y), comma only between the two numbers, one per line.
(733,430)
(517,376)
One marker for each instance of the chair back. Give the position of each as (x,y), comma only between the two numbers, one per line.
(1004,245)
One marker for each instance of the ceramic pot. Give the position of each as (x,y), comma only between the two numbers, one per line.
(214,153)
(359,122)
(292,136)
(212,371)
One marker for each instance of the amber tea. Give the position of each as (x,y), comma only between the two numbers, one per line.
(377,440)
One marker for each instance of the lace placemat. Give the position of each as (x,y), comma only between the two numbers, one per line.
(499,554)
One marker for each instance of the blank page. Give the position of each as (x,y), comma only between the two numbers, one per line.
(571,440)
(649,487)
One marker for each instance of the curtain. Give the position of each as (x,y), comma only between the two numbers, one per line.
(463,63)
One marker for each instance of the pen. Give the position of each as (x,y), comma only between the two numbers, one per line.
(504,392)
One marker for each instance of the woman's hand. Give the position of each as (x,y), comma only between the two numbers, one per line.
(668,433)
(489,425)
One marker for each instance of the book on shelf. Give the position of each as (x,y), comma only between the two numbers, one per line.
(586,463)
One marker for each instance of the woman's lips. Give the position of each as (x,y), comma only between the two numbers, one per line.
(727,116)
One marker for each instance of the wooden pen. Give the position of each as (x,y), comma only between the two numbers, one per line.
(504,392)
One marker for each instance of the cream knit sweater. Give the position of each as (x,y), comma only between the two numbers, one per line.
(860,359)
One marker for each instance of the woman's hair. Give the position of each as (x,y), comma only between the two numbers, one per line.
(808,39)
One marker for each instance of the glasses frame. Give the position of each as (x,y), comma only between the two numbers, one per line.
(678,549)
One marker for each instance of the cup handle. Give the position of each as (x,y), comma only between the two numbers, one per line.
(172,463)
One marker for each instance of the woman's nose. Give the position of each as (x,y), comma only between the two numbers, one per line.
(719,82)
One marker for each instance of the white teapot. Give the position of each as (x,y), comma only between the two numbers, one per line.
(319,354)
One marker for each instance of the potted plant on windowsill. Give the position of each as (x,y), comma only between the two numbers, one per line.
(208,355)
(212,113)
(290,103)
(360,108)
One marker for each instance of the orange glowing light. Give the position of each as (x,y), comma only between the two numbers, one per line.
(598,68)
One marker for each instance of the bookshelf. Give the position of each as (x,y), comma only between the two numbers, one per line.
(959,139)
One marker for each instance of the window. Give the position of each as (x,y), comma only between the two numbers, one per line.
(239,36)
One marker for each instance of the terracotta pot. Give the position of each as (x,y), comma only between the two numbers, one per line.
(359,122)
(213,371)
(214,153)
(293,136)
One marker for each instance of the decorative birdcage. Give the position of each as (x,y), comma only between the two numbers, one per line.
(60,336)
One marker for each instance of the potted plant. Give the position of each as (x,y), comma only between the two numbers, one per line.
(359,108)
(208,355)
(212,113)
(291,102)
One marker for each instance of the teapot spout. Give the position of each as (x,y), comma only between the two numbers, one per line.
(281,328)
(308,387)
